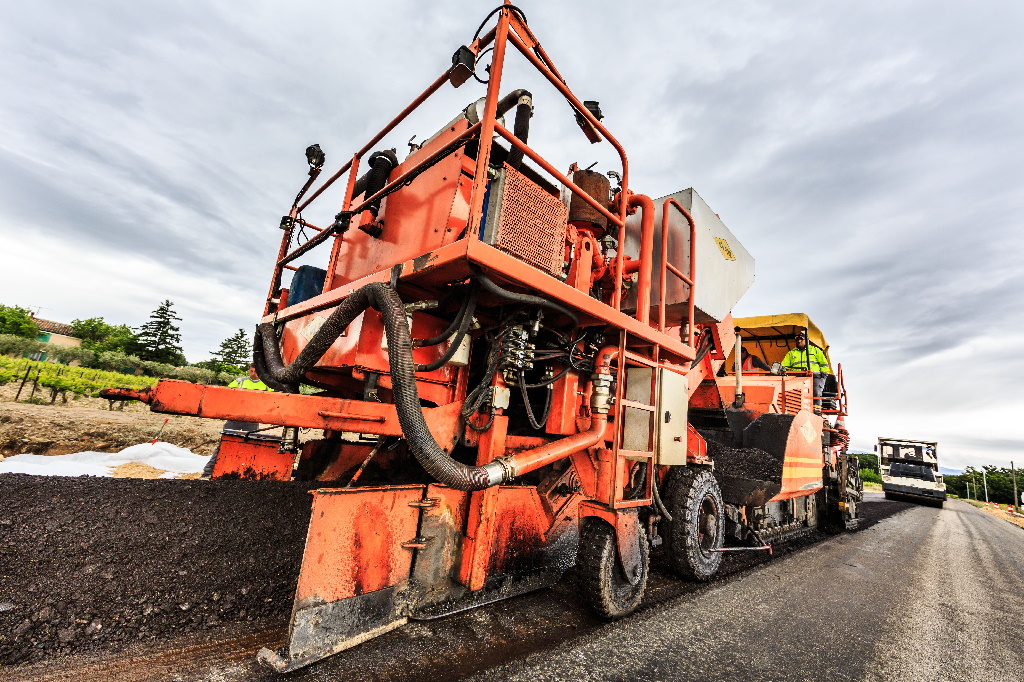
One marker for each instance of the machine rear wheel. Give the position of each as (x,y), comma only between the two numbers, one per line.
(698,524)
(603,583)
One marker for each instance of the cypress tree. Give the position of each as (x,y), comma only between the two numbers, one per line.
(160,338)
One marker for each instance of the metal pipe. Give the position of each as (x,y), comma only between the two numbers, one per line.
(487,123)
(643,287)
(539,160)
(530,460)
(442,79)
(576,104)
(693,262)
(738,353)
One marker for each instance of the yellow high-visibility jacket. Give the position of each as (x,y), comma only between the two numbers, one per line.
(796,360)
(247,383)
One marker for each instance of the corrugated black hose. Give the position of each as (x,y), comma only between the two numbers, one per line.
(385,300)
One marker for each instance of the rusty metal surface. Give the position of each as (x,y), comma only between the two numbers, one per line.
(252,458)
(306,411)
(354,571)
(527,222)
(596,185)
(418,218)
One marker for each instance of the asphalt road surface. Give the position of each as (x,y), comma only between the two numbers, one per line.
(919,594)
(927,594)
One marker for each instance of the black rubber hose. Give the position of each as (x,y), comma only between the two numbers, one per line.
(521,130)
(447,333)
(360,185)
(657,497)
(550,380)
(381,164)
(260,363)
(526,299)
(385,300)
(704,343)
(536,424)
(510,100)
(521,127)
(453,347)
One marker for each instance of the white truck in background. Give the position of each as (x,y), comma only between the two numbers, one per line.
(910,470)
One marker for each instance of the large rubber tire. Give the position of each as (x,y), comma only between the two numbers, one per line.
(698,523)
(603,583)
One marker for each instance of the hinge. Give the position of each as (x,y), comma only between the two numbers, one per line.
(426,503)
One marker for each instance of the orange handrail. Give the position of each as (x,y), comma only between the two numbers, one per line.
(667,267)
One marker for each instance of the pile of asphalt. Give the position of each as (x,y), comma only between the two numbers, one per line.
(101,563)
(749,463)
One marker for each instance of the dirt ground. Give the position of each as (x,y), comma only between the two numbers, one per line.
(1015,519)
(87,425)
(91,563)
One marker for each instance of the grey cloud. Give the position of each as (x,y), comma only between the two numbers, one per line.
(868,155)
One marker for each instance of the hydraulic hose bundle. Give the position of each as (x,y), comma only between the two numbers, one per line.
(385,300)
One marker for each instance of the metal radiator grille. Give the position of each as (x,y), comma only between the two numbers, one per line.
(790,401)
(532,226)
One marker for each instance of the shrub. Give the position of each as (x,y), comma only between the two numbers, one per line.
(11,344)
(870,476)
(197,375)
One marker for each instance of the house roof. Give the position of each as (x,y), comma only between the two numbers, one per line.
(54,327)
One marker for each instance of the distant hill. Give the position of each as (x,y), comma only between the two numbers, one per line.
(949,472)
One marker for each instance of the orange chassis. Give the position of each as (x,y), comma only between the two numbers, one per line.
(381,550)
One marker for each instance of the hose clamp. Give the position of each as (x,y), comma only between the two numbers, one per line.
(498,471)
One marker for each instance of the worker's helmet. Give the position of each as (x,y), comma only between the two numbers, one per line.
(801,335)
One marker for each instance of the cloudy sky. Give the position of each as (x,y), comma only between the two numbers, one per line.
(868,154)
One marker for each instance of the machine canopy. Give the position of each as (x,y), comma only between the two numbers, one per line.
(770,337)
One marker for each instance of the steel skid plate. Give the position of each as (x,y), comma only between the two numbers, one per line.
(252,457)
(355,572)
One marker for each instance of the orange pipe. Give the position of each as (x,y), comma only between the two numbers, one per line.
(487,122)
(530,460)
(539,160)
(675,271)
(643,288)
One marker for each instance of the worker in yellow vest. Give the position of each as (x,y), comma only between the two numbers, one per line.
(251,383)
(807,357)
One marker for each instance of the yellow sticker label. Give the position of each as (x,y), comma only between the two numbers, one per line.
(723,246)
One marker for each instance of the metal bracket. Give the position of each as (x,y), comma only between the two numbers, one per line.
(418,542)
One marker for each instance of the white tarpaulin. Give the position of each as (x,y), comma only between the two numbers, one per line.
(171,459)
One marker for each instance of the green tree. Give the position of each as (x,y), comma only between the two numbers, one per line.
(92,331)
(999,479)
(100,337)
(18,322)
(868,460)
(121,338)
(870,476)
(18,345)
(160,339)
(235,350)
